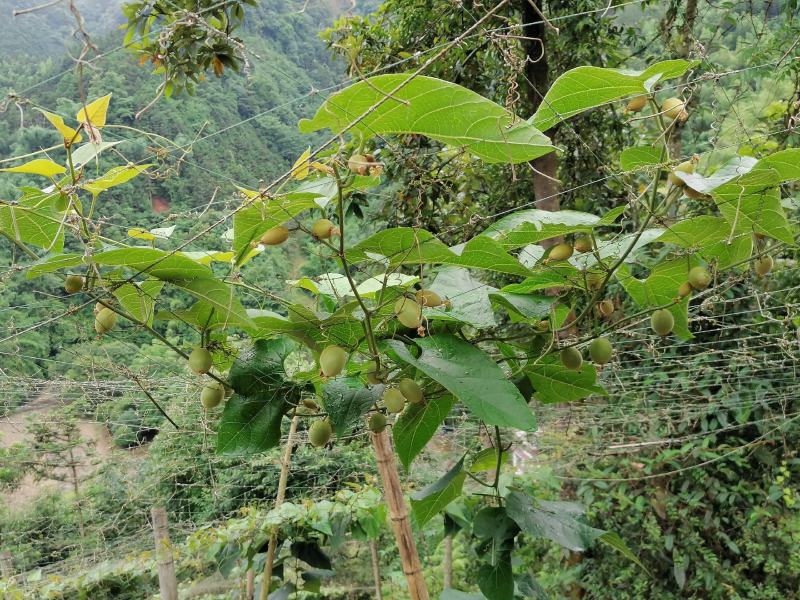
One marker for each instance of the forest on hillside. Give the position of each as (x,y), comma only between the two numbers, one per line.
(399,300)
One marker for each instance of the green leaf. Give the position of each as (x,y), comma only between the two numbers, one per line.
(587,87)
(251,222)
(451,594)
(33,221)
(534,225)
(495,531)
(221,297)
(785,163)
(431,500)
(443,111)
(82,155)
(408,246)
(113,177)
(553,382)
(138,299)
(471,376)
(612,539)
(548,277)
(524,307)
(486,460)
(555,521)
(734,168)
(158,263)
(370,288)
(468,295)
(346,400)
(53,263)
(496,581)
(633,159)
(251,421)
(416,425)
(38,166)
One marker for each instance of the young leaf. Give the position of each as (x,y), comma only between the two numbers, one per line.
(471,376)
(428,502)
(82,155)
(416,425)
(94,113)
(301,165)
(70,135)
(38,166)
(251,421)
(443,111)
(114,177)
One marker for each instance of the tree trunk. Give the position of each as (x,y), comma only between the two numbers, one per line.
(376,568)
(273,538)
(167,582)
(398,514)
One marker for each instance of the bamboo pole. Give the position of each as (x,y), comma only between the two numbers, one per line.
(167,583)
(273,538)
(398,514)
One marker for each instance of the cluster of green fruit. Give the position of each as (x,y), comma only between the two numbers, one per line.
(214,392)
(671,108)
(104,317)
(322,229)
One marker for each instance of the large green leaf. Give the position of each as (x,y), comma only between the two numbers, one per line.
(32,220)
(346,400)
(443,111)
(471,376)
(158,263)
(553,382)
(468,296)
(586,87)
(534,225)
(52,263)
(634,159)
(711,237)
(409,246)
(114,177)
(786,163)
(416,425)
(496,581)
(221,297)
(495,531)
(139,299)
(251,421)
(431,500)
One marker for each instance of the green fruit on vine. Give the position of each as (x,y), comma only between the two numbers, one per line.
(377,422)
(332,360)
(411,390)
(310,404)
(358,164)
(393,400)
(605,307)
(763,265)
(571,358)
(662,322)
(699,278)
(428,298)
(275,236)
(105,320)
(584,244)
(560,252)
(674,108)
(373,375)
(212,394)
(601,350)
(322,229)
(637,103)
(200,361)
(542,326)
(685,289)
(684,167)
(320,433)
(594,281)
(408,312)
(73,284)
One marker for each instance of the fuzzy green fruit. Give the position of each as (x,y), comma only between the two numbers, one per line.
(411,390)
(428,298)
(105,320)
(332,360)
(372,374)
(212,394)
(637,103)
(320,433)
(408,312)
(200,361)
(73,284)
(377,422)
(560,252)
(673,108)
(571,358)
(393,400)
(322,229)
(275,236)
(584,244)
(662,322)
(685,289)
(684,167)
(763,265)
(699,278)
(605,308)
(601,350)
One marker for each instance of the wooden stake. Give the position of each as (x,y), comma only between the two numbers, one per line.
(273,538)
(398,514)
(376,569)
(167,582)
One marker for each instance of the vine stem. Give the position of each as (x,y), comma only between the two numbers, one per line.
(273,538)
